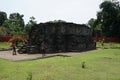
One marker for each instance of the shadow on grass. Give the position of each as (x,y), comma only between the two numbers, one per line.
(45,57)
(55,56)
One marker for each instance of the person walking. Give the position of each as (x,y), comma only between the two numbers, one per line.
(13,48)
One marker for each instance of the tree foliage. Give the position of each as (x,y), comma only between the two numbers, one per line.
(15,23)
(109,18)
(3,31)
(17,19)
(3,17)
(91,23)
(28,26)
(56,21)
(95,26)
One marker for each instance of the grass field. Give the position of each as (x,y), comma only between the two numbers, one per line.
(101,64)
(4,45)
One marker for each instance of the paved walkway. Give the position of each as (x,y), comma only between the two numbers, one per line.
(23,57)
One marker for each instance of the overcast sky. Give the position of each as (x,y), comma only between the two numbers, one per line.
(77,11)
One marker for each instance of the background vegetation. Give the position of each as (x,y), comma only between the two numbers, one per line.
(108,19)
(14,25)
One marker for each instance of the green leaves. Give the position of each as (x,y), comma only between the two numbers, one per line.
(28,26)
(3,31)
(3,17)
(109,18)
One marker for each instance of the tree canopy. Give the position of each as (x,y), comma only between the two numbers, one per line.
(17,19)
(3,17)
(31,22)
(14,25)
(109,18)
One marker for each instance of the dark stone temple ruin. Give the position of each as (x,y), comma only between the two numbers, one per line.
(58,37)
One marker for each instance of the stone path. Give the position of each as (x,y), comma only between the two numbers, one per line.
(23,57)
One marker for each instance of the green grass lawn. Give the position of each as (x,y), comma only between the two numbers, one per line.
(101,64)
(109,45)
(5,45)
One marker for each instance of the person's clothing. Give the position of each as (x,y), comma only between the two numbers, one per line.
(14,49)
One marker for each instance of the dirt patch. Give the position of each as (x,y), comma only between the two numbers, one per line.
(7,55)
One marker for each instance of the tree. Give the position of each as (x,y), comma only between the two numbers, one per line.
(109,18)
(28,26)
(3,31)
(56,21)
(17,23)
(95,26)
(32,20)
(91,23)
(17,19)
(3,17)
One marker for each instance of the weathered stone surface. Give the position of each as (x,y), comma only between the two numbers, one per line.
(58,37)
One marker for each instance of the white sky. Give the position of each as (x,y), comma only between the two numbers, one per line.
(77,11)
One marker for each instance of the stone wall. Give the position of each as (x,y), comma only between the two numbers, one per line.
(58,37)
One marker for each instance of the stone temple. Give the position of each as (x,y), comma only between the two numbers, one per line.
(58,37)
